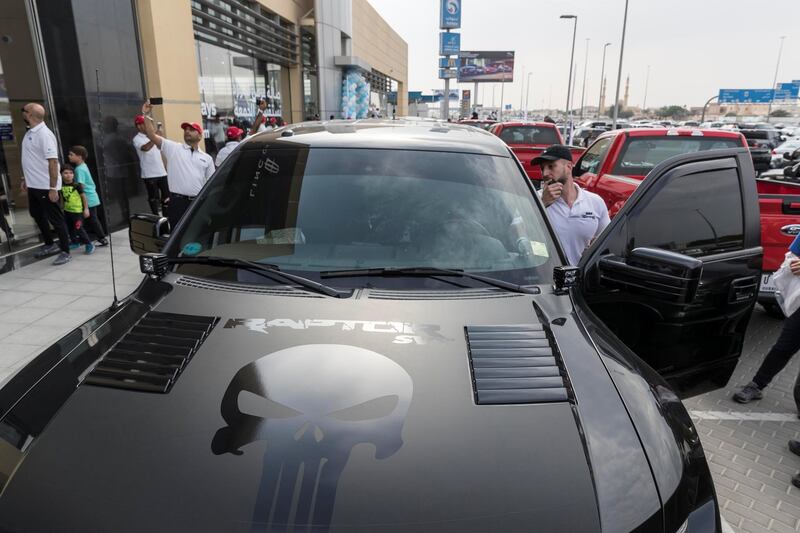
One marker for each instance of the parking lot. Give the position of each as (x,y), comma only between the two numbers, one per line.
(746,444)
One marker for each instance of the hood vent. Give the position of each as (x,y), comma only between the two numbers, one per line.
(515,364)
(152,355)
(458,294)
(228,286)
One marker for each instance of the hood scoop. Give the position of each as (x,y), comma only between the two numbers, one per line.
(152,354)
(515,364)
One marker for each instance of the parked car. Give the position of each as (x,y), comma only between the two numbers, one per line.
(529,139)
(779,159)
(615,165)
(585,136)
(761,143)
(382,334)
(482,123)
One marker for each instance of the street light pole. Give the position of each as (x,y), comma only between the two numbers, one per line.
(602,75)
(522,90)
(619,72)
(585,64)
(775,79)
(528,94)
(571,59)
(646,82)
(703,118)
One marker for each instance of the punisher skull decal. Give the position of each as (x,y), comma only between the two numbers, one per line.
(311,404)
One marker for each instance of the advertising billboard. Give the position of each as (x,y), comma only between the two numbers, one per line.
(449,43)
(449,14)
(486,67)
(745,96)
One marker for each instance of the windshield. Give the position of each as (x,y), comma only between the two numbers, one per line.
(641,154)
(529,135)
(315,210)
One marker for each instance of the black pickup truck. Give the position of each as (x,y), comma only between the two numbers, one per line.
(761,144)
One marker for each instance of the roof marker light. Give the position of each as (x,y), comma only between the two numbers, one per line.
(672,131)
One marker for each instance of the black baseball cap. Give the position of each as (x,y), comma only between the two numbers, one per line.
(553,153)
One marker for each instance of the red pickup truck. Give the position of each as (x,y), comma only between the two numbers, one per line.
(615,164)
(529,139)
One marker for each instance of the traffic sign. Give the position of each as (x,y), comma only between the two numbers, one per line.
(745,96)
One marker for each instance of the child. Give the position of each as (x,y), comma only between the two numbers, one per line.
(76,207)
(77,156)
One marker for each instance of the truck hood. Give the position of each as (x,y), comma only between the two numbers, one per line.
(353,414)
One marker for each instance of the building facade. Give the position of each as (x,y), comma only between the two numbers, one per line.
(91,63)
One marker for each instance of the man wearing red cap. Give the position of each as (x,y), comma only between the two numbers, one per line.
(188,167)
(151,168)
(234,135)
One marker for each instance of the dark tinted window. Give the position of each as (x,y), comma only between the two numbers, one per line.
(641,154)
(529,135)
(756,134)
(702,211)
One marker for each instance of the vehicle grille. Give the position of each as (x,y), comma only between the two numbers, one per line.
(461,294)
(152,355)
(187,281)
(515,364)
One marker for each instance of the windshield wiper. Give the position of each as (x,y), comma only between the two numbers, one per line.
(427,272)
(272,272)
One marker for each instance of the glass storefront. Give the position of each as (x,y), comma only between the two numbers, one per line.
(230,84)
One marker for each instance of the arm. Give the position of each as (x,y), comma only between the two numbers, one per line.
(85,205)
(149,125)
(257,122)
(52,167)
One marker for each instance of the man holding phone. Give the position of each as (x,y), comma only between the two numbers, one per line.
(577,216)
(188,167)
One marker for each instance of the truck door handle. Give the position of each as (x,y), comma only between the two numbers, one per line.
(791,208)
(742,289)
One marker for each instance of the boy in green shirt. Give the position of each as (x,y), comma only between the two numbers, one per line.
(76,207)
(77,156)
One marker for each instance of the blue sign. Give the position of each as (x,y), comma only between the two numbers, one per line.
(448,62)
(508,107)
(447,73)
(449,14)
(745,96)
(6,134)
(449,43)
(787,91)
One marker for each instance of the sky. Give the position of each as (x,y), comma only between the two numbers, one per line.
(693,47)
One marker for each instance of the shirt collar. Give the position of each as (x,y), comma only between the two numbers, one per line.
(579,198)
(37,127)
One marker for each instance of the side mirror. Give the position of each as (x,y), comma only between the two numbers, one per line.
(787,155)
(147,233)
(654,273)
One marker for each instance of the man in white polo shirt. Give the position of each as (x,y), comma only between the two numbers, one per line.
(151,168)
(42,180)
(577,216)
(188,167)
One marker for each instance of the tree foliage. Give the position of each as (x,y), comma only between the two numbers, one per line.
(672,111)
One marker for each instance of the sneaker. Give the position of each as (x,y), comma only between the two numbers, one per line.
(794,446)
(102,242)
(796,480)
(62,259)
(748,393)
(74,245)
(46,250)
(89,249)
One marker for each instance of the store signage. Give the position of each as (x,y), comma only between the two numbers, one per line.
(447,74)
(448,62)
(449,14)
(208,109)
(449,43)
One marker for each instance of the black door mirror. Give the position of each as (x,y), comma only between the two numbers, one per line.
(148,233)
(787,155)
(661,274)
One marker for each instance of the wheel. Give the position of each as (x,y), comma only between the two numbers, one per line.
(773,310)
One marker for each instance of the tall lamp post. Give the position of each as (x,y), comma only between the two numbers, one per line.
(646,83)
(602,75)
(619,72)
(585,64)
(569,83)
(775,79)
(528,94)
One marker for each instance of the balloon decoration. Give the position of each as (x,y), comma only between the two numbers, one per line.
(355,95)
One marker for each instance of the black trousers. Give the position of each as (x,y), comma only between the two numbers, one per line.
(178,204)
(157,193)
(45,213)
(76,227)
(93,223)
(780,354)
